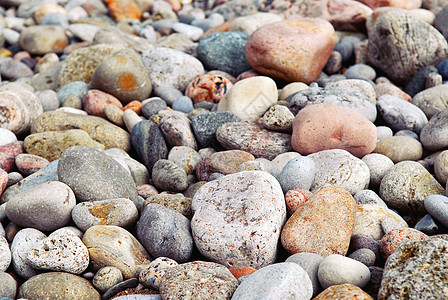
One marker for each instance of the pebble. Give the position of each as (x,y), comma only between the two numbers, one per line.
(94,102)
(400,148)
(368,197)
(8,154)
(249,24)
(22,243)
(298,173)
(278,280)
(12,69)
(119,212)
(120,287)
(185,157)
(6,137)
(8,286)
(310,263)
(208,87)
(5,254)
(4,179)
(278,118)
(387,88)
(43,39)
(176,202)
(431,100)
(295,198)
(28,164)
(130,119)
(153,273)
(427,225)
(436,206)
(363,86)
(305,229)
(360,71)
(290,89)
(217,216)
(177,131)
(392,239)
(365,256)
(378,165)
(343,291)
(183,104)
(114,114)
(167,175)
(48,99)
(106,278)
(206,124)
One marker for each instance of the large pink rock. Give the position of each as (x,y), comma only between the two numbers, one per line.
(292,50)
(327,126)
(407,4)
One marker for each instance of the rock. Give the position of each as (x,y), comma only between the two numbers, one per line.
(119,212)
(61,251)
(404,47)
(6,137)
(298,173)
(124,10)
(58,285)
(360,71)
(5,254)
(93,175)
(102,241)
(378,165)
(42,39)
(364,256)
(224,51)
(100,130)
(8,286)
(207,87)
(280,280)
(114,114)
(197,280)
(28,164)
(390,241)
(412,270)
(406,185)
(26,208)
(343,291)
(368,197)
(177,202)
(386,88)
(253,138)
(433,134)
(278,118)
(106,278)
(401,115)
(300,39)
(177,131)
(224,162)
(437,207)
(400,148)
(317,127)
(165,232)
(94,102)
(185,157)
(171,68)
(23,241)
(120,287)
(154,272)
(16,114)
(418,81)
(310,229)
(362,86)
(427,225)
(296,197)
(249,24)
(168,176)
(339,167)
(432,100)
(310,263)
(123,76)
(139,172)
(217,207)
(205,125)
(12,69)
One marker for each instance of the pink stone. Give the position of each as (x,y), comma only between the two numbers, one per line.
(295,198)
(292,50)
(390,89)
(146,190)
(3,180)
(406,4)
(21,55)
(247,74)
(208,88)
(8,154)
(327,126)
(392,239)
(95,101)
(28,164)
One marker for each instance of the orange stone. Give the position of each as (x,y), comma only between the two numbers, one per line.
(208,88)
(296,197)
(291,50)
(123,10)
(390,241)
(344,291)
(390,89)
(241,271)
(135,106)
(95,101)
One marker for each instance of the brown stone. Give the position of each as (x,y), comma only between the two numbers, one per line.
(224,162)
(344,291)
(390,89)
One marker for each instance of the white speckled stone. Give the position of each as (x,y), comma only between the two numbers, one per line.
(5,254)
(23,241)
(378,165)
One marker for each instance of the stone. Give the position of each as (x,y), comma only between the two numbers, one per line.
(23,241)
(249,24)
(298,173)
(119,212)
(106,278)
(399,52)
(401,115)
(183,104)
(205,125)
(413,270)
(224,162)
(177,131)
(433,134)
(100,130)
(343,291)
(208,87)
(197,280)
(168,176)
(185,157)
(360,71)
(360,242)
(154,272)
(368,197)
(440,168)
(12,69)
(171,68)
(176,202)
(310,229)
(328,126)
(406,185)
(6,137)
(427,225)
(400,148)
(139,172)
(378,165)
(363,86)
(45,207)
(61,251)
(341,168)
(28,164)
(120,287)
(93,175)
(432,100)
(418,81)
(280,280)
(253,138)
(8,286)
(124,10)
(386,88)
(43,39)
(296,197)
(114,114)
(278,118)
(365,256)
(110,245)
(94,102)
(72,91)
(310,263)
(15,114)
(217,207)
(165,233)
(390,241)
(292,46)
(5,254)
(436,206)
(130,119)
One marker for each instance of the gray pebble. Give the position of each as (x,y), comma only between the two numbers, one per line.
(368,197)
(427,225)
(5,254)
(119,287)
(177,131)
(48,99)
(168,176)
(389,224)
(360,71)
(310,263)
(406,132)
(365,256)
(383,132)
(8,286)
(378,165)
(298,173)
(437,207)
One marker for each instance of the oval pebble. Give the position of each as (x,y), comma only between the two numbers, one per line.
(152,274)
(106,278)
(392,239)
(298,173)
(95,101)
(5,254)
(6,136)
(400,148)
(28,164)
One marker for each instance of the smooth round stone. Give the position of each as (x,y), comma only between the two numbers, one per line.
(46,62)
(305,229)
(252,165)
(343,291)
(119,212)
(183,104)
(441,167)
(57,285)
(217,216)
(387,88)
(185,157)
(383,132)
(365,256)
(120,287)
(433,135)
(167,93)
(13,178)
(401,115)
(193,32)
(177,131)
(94,102)
(249,24)
(205,125)
(168,176)
(413,271)
(369,218)
(165,232)
(368,197)
(390,241)
(183,68)
(208,87)
(286,49)
(432,100)
(153,273)
(224,51)
(437,207)
(310,263)
(337,269)
(94,175)
(7,136)
(409,133)
(124,76)
(250,98)
(279,162)
(61,251)
(114,114)
(110,245)
(130,119)
(198,280)
(39,40)
(13,69)
(22,243)
(378,165)
(400,148)
(153,106)
(8,153)
(4,179)
(360,71)
(28,164)
(290,89)
(75,88)
(298,173)
(139,172)
(278,118)
(359,242)
(346,47)
(15,113)
(295,198)
(363,86)
(334,63)
(427,225)
(106,278)
(176,202)
(48,99)
(25,208)
(8,286)
(321,127)
(224,162)
(406,185)
(339,167)
(5,254)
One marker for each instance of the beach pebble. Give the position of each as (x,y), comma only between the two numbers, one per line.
(400,148)
(386,88)
(15,113)
(153,106)
(249,24)
(290,89)
(224,162)
(378,165)
(208,87)
(94,102)
(440,167)
(360,71)
(206,124)
(7,136)
(368,197)
(25,208)
(12,69)
(4,179)
(432,100)
(363,86)
(390,241)
(8,154)
(130,119)
(168,176)
(427,225)
(339,167)
(183,104)
(343,291)
(185,157)
(310,263)
(8,286)
(28,164)
(217,214)
(48,99)
(102,241)
(305,229)
(152,274)
(106,278)
(433,134)
(278,280)
(43,39)
(278,118)
(295,198)
(5,254)
(437,207)
(365,256)
(298,173)
(177,131)
(279,162)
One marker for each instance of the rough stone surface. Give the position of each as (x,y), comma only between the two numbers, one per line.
(343,291)
(168,176)
(205,125)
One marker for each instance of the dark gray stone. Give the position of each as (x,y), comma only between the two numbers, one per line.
(427,225)
(119,287)
(93,175)
(165,233)
(346,47)
(205,125)
(153,107)
(418,81)
(374,284)
(13,69)
(168,176)
(365,256)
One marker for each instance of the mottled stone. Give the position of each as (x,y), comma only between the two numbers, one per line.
(8,286)
(106,278)
(176,202)
(343,291)
(433,136)
(205,125)
(278,118)
(298,173)
(224,162)
(378,165)
(177,131)
(400,148)
(432,100)
(28,164)
(153,273)
(390,241)
(168,176)
(39,40)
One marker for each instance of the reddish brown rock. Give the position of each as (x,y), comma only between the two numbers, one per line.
(295,198)
(344,291)
(224,162)
(292,50)
(391,89)
(392,239)
(327,126)
(407,4)
(247,74)
(135,106)
(8,155)
(95,101)
(3,180)
(28,164)
(124,10)
(208,88)
(322,225)
(241,271)
(146,190)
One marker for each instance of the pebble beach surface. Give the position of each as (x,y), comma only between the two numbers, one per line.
(223,149)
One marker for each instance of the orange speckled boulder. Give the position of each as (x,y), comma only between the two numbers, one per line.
(208,88)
